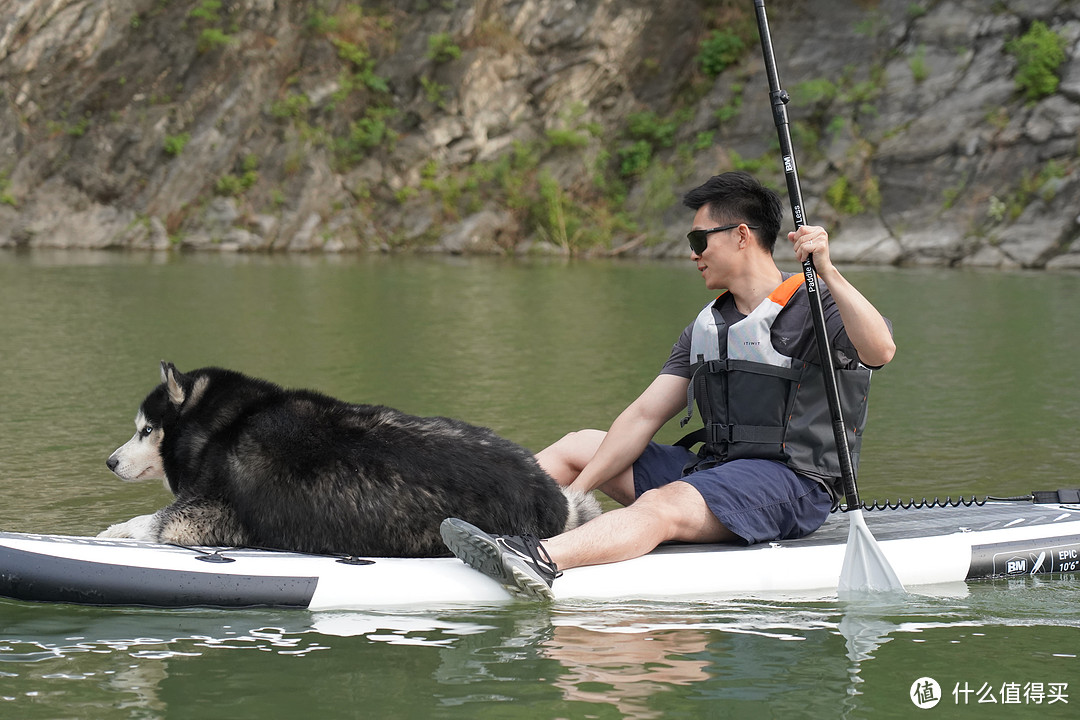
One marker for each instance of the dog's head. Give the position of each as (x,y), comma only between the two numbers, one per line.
(140,458)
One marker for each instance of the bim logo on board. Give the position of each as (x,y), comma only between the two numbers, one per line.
(1016,566)
(1030,564)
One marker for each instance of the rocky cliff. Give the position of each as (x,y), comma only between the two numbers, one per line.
(927,131)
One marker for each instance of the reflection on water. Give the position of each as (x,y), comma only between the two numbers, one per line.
(625,669)
(640,660)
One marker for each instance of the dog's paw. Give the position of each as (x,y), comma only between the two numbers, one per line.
(113,531)
(143,527)
(582,507)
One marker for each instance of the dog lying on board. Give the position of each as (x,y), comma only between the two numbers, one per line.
(254,464)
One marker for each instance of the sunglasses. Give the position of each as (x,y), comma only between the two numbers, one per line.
(699,239)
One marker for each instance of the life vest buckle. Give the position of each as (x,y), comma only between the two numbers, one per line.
(720,433)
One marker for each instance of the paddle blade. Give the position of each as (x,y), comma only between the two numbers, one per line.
(865,569)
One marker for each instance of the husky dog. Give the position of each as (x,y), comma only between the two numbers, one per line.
(255,464)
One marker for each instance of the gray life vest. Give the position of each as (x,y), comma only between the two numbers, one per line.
(757,402)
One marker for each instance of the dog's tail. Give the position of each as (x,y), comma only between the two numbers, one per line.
(582,508)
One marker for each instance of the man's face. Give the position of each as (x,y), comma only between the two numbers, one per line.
(713,262)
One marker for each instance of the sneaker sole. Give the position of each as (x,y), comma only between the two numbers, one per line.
(479,551)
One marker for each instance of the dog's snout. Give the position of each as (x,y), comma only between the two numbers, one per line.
(112,462)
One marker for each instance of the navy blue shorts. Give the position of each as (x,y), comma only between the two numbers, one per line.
(758,500)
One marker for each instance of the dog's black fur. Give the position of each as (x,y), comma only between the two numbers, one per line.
(254,464)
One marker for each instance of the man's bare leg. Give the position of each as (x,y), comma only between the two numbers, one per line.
(527,567)
(672,512)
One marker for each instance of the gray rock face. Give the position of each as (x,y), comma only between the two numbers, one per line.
(498,126)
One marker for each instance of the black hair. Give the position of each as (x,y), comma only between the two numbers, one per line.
(738,197)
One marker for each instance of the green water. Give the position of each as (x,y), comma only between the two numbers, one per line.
(983,398)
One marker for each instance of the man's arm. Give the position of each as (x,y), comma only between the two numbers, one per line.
(865,327)
(633,429)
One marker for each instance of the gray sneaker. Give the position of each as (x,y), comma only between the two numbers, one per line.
(517,562)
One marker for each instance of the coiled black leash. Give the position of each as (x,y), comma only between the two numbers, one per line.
(1064,496)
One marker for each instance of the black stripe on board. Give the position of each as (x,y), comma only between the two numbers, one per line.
(32,576)
(1025,557)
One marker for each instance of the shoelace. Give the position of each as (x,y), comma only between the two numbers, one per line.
(535,549)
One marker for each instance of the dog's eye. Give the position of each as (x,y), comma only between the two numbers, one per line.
(148,429)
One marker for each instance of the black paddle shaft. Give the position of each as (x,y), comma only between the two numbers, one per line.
(779,98)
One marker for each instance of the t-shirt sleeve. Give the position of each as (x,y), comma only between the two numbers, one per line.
(678,362)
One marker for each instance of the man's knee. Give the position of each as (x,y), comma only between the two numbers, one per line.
(568,455)
(682,510)
(666,502)
(584,441)
(575,448)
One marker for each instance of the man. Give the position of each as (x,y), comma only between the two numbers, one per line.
(769,467)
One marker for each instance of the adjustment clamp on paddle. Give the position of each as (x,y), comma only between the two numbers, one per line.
(780,99)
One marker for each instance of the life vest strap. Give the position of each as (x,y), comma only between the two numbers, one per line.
(757,434)
(728,365)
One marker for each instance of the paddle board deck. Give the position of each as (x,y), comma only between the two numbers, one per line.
(926,546)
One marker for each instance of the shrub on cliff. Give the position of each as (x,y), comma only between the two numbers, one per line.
(720,49)
(1039,53)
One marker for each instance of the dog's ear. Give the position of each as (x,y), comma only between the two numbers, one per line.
(165,367)
(171,377)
